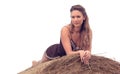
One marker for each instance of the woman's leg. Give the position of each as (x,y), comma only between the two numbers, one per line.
(44,59)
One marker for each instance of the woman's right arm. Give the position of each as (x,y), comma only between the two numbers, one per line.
(65,39)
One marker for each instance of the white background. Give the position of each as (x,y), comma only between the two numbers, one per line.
(28,27)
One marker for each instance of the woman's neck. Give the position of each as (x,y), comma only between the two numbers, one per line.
(76,29)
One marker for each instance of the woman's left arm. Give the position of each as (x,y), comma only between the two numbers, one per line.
(87,52)
(90,47)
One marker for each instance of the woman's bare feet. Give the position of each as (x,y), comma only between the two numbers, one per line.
(34,63)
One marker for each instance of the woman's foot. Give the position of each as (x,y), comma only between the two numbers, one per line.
(34,63)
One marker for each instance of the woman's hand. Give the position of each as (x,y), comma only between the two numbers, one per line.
(85,56)
(82,53)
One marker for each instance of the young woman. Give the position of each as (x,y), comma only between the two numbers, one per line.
(76,38)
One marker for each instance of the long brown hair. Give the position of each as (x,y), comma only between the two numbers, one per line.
(85,31)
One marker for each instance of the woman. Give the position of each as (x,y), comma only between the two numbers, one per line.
(76,38)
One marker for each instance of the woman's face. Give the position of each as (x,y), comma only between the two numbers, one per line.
(77,18)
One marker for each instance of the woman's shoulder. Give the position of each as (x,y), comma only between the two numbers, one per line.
(66,29)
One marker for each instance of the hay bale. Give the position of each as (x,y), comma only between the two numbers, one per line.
(72,65)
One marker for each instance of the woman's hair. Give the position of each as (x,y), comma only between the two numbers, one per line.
(85,31)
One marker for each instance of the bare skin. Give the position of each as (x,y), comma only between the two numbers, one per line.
(77,19)
(44,59)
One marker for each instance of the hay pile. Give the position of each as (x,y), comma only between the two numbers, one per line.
(72,65)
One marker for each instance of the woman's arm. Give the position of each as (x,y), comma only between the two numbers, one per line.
(90,47)
(87,53)
(65,39)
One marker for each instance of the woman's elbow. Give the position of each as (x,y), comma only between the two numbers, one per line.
(72,52)
(69,52)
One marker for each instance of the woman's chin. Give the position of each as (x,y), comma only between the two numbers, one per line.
(77,25)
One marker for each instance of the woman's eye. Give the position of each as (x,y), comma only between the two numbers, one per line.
(73,16)
(78,16)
